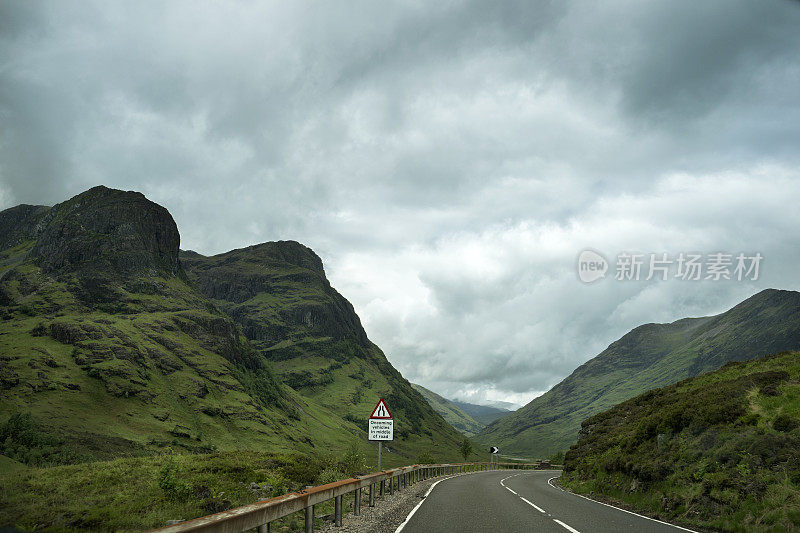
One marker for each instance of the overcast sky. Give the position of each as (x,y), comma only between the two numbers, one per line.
(447,160)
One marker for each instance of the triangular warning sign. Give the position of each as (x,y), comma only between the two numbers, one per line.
(381,411)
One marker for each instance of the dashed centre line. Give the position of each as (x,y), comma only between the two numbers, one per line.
(565,526)
(533,505)
(559,522)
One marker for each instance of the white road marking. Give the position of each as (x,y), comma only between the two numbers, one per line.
(565,526)
(533,505)
(549,482)
(414,510)
(427,493)
(507,477)
(510,490)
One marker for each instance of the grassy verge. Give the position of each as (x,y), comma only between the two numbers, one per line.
(720,451)
(144,492)
(139,493)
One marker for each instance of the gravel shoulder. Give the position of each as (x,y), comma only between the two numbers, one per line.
(389,512)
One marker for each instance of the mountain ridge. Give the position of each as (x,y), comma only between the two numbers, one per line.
(113,345)
(649,356)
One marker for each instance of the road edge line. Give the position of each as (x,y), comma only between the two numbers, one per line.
(619,508)
(427,493)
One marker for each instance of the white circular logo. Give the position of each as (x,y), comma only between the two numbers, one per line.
(591,266)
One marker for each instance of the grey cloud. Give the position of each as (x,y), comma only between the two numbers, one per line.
(448,161)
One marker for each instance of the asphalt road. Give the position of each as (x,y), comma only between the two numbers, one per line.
(508,501)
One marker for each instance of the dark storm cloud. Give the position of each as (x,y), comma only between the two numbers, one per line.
(447,160)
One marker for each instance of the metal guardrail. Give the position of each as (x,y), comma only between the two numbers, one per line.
(260,514)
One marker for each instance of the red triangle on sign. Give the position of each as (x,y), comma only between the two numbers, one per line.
(381,411)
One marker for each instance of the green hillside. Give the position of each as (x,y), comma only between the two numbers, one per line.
(721,450)
(650,356)
(450,412)
(114,349)
(278,294)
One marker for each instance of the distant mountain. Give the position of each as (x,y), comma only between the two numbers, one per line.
(483,414)
(454,415)
(650,356)
(720,451)
(116,343)
(503,406)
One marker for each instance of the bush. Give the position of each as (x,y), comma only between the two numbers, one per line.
(170,482)
(279,485)
(466,448)
(425,458)
(303,469)
(354,419)
(357,396)
(22,440)
(330,475)
(784,422)
(353,462)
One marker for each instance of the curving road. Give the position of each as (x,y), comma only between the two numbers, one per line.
(511,501)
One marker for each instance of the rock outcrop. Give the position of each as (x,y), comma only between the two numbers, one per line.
(19,224)
(258,287)
(110,231)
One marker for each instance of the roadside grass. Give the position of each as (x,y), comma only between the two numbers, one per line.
(134,494)
(721,450)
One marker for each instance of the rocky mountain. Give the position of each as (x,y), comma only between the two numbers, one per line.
(650,356)
(116,342)
(278,294)
(719,451)
(454,415)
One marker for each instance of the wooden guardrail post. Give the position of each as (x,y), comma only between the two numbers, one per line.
(263,528)
(372,494)
(337,513)
(310,519)
(357,503)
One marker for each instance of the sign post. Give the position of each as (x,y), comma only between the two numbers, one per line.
(381,426)
(492,451)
